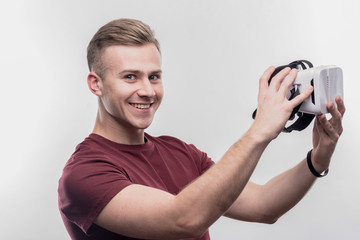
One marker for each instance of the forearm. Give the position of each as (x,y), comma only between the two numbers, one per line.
(266,203)
(207,198)
(284,191)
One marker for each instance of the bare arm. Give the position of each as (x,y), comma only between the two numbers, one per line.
(268,202)
(140,211)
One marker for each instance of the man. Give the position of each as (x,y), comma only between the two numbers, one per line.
(122,183)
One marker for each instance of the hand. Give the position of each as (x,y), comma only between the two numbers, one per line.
(274,109)
(326,133)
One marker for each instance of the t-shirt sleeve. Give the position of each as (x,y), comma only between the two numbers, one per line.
(86,187)
(204,161)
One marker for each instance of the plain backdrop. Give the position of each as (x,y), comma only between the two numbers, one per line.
(213,55)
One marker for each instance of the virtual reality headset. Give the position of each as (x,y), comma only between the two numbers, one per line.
(327,82)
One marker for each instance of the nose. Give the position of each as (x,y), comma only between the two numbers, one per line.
(146,89)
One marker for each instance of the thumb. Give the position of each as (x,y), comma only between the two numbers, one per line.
(302,96)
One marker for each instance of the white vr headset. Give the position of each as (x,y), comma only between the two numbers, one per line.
(327,82)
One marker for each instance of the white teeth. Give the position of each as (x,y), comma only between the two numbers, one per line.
(141,106)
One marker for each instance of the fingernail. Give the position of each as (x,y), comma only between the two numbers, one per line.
(310,89)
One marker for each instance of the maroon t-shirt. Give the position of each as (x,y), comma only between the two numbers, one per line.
(100,168)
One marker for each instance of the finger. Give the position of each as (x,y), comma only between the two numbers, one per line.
(318,128)
(336,117)
(340,105)
(276,80)
(264,79)
(335,113)
(288,81)
(327,127)
(302,96)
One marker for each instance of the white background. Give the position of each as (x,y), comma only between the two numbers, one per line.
(213,54)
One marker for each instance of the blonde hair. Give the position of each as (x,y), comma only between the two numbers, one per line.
(128,32)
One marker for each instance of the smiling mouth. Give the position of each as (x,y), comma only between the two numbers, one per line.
(140,106)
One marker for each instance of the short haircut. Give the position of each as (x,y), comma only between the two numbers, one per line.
(127,32)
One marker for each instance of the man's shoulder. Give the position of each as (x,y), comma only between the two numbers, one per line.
(91,144)
(171,142)
(166,140)
(93,156)
(92,148)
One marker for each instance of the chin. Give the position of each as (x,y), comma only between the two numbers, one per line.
(142,125)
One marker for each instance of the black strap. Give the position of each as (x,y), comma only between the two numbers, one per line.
(304,119)
(312,169)
(301,123)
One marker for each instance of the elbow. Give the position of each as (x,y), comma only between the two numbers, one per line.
(196,233)
(193,231)
(192,228)
(264,218)
(270,221)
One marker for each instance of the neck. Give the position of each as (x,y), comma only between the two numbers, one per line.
(111,129)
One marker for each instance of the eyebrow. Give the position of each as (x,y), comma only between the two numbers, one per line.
(159,71)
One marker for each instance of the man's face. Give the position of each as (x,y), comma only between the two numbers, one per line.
(132,87)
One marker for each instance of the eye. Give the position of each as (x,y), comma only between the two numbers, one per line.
(154,77)
(130,77)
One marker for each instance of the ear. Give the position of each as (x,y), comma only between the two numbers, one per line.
(94,83)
